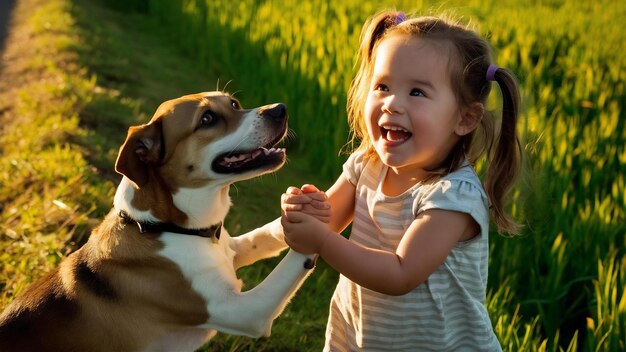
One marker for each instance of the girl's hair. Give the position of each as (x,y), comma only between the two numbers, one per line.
(470,57)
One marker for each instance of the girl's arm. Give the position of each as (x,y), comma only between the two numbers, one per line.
(423,248)
(341,196)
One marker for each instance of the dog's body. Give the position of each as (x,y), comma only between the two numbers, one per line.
(171,286)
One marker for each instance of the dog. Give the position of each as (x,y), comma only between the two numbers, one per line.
(159,272)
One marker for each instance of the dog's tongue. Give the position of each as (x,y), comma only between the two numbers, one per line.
(397,135)
(237,158)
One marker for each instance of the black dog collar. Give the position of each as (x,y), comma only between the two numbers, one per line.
(213,232)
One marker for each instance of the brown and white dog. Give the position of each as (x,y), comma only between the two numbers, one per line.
(159,272)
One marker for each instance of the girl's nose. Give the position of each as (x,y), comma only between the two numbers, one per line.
(392,105)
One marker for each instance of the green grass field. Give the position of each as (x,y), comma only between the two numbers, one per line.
(108,64)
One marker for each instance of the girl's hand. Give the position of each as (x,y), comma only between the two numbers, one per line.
(303,233)
(308,200)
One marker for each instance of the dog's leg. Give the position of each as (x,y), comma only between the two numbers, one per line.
(263,242)
(251,313)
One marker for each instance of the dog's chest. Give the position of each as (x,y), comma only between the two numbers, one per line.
(207,265)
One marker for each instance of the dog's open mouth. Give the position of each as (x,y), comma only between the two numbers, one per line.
(266,157)
(238,162)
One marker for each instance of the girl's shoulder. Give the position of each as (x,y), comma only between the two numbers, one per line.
(464,174)
(460,190)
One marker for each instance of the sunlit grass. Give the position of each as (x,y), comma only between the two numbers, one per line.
(40,172)
(560,286)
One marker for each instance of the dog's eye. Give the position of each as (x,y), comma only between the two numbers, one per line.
(208,119)
(235,104)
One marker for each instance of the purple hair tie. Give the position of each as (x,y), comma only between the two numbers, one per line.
(491,72)
(400,17)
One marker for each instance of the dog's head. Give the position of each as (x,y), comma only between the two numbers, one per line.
(202,138)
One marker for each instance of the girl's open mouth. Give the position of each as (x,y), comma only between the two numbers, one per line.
(395,134)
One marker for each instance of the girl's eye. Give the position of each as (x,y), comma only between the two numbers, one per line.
(381,87)
(208,119)
(417,92)
(235,104)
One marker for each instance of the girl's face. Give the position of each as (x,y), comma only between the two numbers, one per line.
(411,111)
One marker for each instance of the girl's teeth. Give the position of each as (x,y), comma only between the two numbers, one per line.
(396,134)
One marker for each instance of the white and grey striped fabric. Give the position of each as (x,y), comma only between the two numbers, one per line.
(445,313)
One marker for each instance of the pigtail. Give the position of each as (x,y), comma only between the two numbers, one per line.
(376,28)
(506,159)
(373,30)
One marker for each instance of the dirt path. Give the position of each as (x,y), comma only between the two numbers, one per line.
(13,35)
(6,8)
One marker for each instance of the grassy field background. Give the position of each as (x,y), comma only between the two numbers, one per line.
(92,68)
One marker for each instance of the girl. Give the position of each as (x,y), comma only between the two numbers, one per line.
(414,270)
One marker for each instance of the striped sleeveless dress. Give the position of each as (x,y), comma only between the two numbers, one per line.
(445,313)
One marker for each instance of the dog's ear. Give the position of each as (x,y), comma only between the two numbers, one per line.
(142,150)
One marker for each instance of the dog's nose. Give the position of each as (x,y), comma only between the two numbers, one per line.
(277,112)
